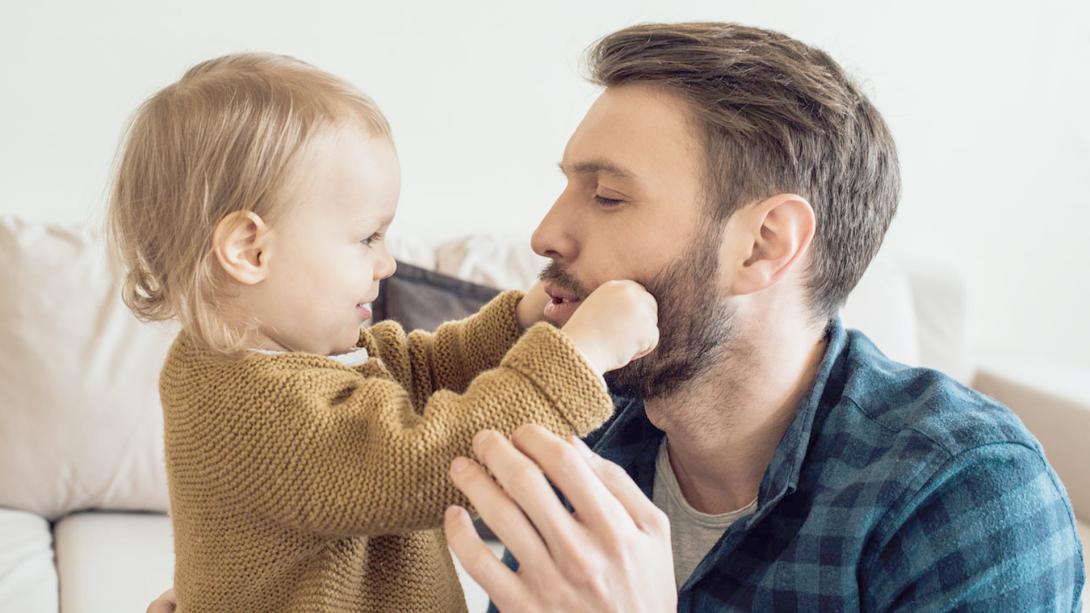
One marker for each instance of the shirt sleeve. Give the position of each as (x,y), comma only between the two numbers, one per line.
(332,452)
(991,531)
(448,359)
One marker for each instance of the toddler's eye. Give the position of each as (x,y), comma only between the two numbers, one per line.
(371,239)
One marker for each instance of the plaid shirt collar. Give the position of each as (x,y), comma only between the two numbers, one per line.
(631,441)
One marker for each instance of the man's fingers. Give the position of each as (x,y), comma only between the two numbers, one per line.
(499,582)
(638,506)
(593,503)
(502,515)
(525,483)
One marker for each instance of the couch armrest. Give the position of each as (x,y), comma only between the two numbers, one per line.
(1053,401)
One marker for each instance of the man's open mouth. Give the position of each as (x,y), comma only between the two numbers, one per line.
(563,304)
(562,296)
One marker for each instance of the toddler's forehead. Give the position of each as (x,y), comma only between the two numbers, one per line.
(345,173)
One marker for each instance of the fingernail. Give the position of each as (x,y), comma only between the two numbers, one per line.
(459,464)
(452,512)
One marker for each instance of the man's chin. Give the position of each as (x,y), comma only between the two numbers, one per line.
(629,381)
(653,376)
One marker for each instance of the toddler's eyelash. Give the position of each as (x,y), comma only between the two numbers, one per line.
(371,239)
(602,200)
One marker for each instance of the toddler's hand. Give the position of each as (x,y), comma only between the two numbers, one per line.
(617,323)
(532,307)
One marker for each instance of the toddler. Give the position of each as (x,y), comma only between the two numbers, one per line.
(307,456)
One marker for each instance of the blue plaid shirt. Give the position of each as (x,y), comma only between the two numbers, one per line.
(894,488)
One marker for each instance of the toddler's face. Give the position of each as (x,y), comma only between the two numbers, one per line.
(328,251)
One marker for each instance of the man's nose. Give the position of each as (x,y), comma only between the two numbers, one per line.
(554,237)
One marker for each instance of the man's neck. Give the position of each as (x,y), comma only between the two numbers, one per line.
(723,427)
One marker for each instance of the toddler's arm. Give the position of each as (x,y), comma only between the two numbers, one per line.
(338,453)
(451,357)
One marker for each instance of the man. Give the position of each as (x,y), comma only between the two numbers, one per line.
(768,458)
(771,459)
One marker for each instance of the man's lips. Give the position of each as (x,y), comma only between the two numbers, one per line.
(560,294)
(564,303)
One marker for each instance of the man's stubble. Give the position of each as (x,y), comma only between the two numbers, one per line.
(695,324)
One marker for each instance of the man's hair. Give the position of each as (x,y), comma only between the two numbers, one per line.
(219,140)
(775,116)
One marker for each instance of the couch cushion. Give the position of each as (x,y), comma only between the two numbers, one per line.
(80,423)
(940,301)
(881,307)
(505,262)
(415,250)
(113,561)
(28,579)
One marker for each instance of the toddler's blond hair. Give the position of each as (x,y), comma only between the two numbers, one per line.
(218,141)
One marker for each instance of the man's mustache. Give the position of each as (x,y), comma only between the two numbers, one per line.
(554,274)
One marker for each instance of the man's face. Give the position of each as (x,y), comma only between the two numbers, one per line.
(634,209)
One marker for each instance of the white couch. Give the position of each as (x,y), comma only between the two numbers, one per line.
(82,486)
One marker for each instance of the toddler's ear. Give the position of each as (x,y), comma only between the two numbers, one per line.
(241,243)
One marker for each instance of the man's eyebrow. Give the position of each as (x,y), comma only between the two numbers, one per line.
(595,167)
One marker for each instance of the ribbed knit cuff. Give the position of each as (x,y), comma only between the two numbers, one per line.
(547,357)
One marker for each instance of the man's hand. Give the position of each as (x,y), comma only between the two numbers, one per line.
(612,554)
(165,603)
(531,309)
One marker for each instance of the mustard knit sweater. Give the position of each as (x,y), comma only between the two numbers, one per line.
(300,484)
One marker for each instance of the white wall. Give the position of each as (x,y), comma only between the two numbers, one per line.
(988,102)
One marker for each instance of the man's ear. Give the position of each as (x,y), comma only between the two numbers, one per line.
(770,237)
(241,243)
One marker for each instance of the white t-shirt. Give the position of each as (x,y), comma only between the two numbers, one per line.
(692,533)
(352,358)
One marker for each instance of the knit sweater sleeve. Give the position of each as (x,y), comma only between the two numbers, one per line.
(453,355)
(334,452)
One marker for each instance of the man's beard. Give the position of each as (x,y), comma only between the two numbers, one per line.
(695,325)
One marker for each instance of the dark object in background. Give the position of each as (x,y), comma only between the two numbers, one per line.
(421,299)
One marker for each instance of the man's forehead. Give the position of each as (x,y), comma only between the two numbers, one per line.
(632,130)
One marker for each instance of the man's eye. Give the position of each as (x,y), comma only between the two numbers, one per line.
(371,239)
(607,202)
